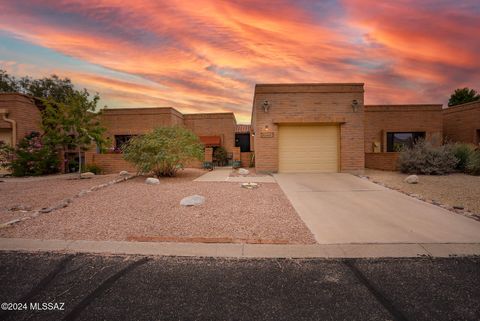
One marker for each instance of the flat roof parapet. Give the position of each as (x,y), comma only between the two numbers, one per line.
(309,88)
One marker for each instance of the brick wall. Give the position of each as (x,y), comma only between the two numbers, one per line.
(245,159)
(383,161)
(109,163)
(23,110)
(462,123)
(214,124)
(313,104)
(136,121)
(380,119)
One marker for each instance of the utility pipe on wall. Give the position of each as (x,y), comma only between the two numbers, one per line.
(4,113)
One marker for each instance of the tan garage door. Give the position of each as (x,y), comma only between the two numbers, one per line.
(308,149)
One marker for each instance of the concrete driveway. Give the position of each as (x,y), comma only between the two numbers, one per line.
(343,208)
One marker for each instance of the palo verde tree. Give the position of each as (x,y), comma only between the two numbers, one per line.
(73,123)
(163,151)
(462,96)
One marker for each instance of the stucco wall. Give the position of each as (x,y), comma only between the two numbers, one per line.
(462,123)
(313,104)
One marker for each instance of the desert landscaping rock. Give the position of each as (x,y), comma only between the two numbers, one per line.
(87,175)
(412,179)
(459,207)
(124,173)
(152,181)
(243,171)
(249,185)
(193,200)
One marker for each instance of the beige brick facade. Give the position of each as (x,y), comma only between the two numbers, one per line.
(309,104)
(462,123)
(23,111)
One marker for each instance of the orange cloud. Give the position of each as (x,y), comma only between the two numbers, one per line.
(207,55)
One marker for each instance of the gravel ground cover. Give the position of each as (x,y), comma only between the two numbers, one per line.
(133,210)
(451,190)
(33,193)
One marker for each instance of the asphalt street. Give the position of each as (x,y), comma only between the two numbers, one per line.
(93,287)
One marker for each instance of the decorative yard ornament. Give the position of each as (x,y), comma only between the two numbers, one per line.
(266,105)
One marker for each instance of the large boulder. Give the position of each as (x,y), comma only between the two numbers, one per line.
(192,200)
(152,181)
(243,171)
(412,179)
(87,175)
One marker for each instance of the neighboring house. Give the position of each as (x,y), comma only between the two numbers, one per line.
(461,123)
(213,129)
(295,128)
(19,116)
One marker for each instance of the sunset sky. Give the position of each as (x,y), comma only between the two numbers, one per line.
(206,56)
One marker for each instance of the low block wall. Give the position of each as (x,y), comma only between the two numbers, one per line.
(110,163)
(382,161)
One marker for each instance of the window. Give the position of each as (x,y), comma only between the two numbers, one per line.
(397,141)
(243,141)
(121,140)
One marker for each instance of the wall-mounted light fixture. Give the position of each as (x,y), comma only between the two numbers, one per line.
(266,128)
(355,105)
(266,105)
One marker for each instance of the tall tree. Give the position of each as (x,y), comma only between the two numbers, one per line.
(462,96)
(8,84)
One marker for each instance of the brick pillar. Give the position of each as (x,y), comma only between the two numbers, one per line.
(236,153)
(208,155)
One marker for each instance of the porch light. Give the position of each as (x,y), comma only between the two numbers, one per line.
(266,105)
(355,105)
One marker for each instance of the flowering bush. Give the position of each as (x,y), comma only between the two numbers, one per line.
(32,157)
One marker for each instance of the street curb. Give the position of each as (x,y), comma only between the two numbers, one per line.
(371,250)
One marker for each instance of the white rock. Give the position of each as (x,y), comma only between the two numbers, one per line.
(87,175)
(124,173)
(243,171)
(193,200)
(249,185)
(412,179)
(152,181)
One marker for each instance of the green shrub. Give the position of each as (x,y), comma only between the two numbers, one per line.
(423,158)
(473,163)
(33,158)
(220,155)
(462,152)
(95,169)
(163,151)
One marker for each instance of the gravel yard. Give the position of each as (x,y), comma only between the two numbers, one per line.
(33,193)
(453,190)
(133,210)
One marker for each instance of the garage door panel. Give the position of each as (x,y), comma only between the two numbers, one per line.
(308,148)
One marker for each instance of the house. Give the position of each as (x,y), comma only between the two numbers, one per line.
(19,116)
(327,128)
(461,123)
(295,128)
